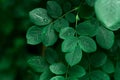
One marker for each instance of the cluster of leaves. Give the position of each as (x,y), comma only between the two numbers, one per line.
(80,40)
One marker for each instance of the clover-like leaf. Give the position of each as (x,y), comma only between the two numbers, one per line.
(108,12)
(33,35)
(51,55)
(37,63)
(39,16)
(77,71)
(49,36)
(67,32)
(108,67)
(54,9)
(74,57)
(105,38)
(69,44)
(87,44)
(87,28)
(58,68)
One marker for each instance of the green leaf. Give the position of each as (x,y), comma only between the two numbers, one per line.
(58,68)
(70,17)
(69,44)
(108,12)
(66,32)
(34,35)
(87,44)
(108,67)
(54,9)
(60,24)
(58,78)
(77,71)
(51,55)
(96,75)
(105,38)
(49,36)
(98,59)
(99,75)
(74,57)
(39,16)
(46,75)
(117,71)
(37,63)
(87,28)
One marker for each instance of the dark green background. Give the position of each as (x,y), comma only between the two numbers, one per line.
(14,22)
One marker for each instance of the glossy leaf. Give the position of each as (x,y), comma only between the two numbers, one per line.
(105,38)
(74,57)
(58,68)
(37,63)
(87,28)
(108,12)
(69,44)
(49,36)
(87,44)
(66,32)
(77,71)
(33,35)
(54,9)
(39,16)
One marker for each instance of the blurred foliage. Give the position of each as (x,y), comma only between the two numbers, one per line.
(14,51)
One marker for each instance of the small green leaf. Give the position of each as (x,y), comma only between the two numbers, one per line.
(74,57)
(70,17)
(60,24)
(46,75)
(58,68)
(87,28)
(58,78)
(99,75)
(39,16)
(54,9)
(96,75)
(49,36)
(105,38)
(108,67)
(37,63)
(69,44)
(77,71)
(34,35)
(66,32)
(98,59)
(108,11)
(87,44)
(51,55)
